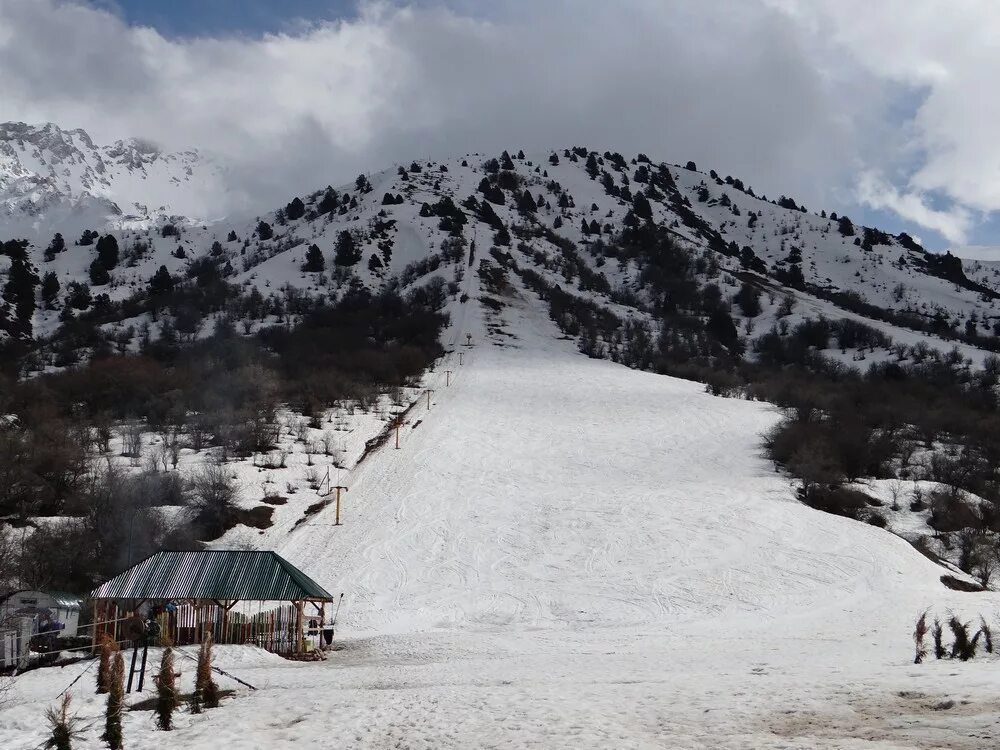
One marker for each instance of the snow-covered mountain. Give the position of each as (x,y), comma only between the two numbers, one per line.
(55,178)
(553,213)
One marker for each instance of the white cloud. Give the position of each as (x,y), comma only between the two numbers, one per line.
(953,224)
(946,55)
(794,97)
(726,85)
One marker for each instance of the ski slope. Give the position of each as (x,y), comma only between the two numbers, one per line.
(565,553)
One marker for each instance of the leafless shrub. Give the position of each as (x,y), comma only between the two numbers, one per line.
(987,634)
(919,634)
(132,439)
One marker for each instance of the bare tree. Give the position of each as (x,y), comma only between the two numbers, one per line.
(215,498)
(132,439)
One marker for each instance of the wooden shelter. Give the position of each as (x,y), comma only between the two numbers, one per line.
(244,596)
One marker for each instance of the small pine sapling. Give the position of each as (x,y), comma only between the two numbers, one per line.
(206,689)
(919,634)
(167,697)
(64,727)
(938,633)
(116,703)
(987,632)
(108,647)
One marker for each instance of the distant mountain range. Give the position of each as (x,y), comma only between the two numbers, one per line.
(552,212)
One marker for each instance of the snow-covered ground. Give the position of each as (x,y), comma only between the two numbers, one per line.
(565,553)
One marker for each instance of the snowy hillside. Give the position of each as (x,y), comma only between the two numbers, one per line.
(553,212)
(566,553)
(60,180)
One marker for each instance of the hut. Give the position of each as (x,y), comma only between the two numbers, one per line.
(243,596)
(50,611)
(39,620)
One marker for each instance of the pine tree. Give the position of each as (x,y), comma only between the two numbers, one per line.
(346,252)
(315,263)
(99,275)
(362,185)
(592,169)
(55,247)
(845,227)
(50,289)
(162,283)
(205,686)
(167,695)
(264,230)
(116,702)
(329,201)
(107,251)
(505,161)
(231,237)
(65,727)
(296,209)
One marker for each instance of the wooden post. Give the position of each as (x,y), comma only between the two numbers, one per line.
(397,424)
(429,392)
(298,627)
(460,356)
(338,488)
(447,377)
(468,339)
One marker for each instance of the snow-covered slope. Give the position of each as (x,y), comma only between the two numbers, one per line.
(565,553)
(402,221)
(60,180)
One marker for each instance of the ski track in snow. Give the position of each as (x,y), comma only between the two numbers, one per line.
(566,553)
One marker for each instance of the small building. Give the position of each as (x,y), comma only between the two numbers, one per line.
(35,619)
(243,596)
(50,611)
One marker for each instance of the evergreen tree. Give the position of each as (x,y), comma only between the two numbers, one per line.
(19,290)
(88,237)
(346,252)
(505,161)
(329,201)
(107,252)
(50,289)
(231,237)
(641,207)
(502,237)
(748,298)
(55,247)
(526,204)
(375,263)
(167,694)
(99,275)
(592,169)
(216,250)
(161,284)
(116,703)
(315,263)
(77,296)
(264,230)
(845,227)
(296,209)
(362,185)
(554,159)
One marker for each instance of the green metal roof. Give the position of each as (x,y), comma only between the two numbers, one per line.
(244,575)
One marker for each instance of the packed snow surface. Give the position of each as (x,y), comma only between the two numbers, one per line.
(565,553)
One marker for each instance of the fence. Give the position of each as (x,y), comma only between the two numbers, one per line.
(15,638)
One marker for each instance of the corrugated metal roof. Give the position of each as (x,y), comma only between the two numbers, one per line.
(60,598)
(244,575)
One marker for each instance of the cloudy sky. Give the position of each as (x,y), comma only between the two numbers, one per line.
(884,110)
